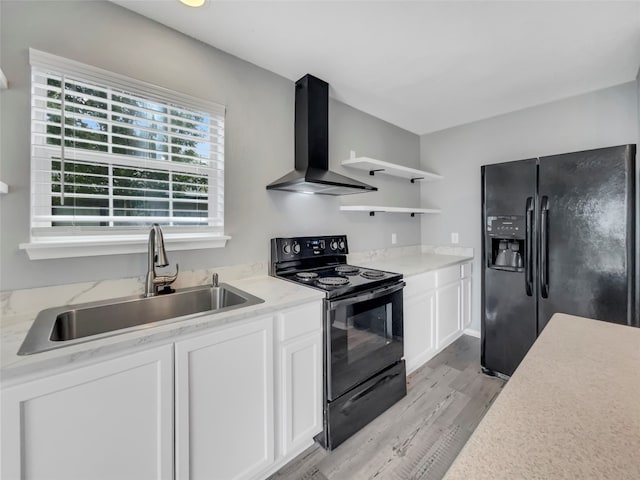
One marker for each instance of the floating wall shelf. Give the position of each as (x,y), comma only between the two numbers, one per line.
(3,81)
(373,209)
(4,188)
(373,166)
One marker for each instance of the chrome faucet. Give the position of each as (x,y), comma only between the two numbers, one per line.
(157,257)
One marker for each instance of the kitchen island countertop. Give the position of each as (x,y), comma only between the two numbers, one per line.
(570,411)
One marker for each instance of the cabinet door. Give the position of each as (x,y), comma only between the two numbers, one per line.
(224,402)
(465,307)
(301,391)
(109,420)
(419,329)
(447,313)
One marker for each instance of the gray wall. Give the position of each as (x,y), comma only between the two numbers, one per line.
(603,118)
(259,141)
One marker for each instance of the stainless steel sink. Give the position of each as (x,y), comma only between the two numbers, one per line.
(72,324)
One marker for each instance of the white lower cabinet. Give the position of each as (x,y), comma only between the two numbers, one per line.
(109,420)
(299,384)
(437,308)
(419,328)
(466,302)
(248,396)
(224,402)
(243,398)
(448,314)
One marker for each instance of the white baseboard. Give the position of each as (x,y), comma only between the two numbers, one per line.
(471,332)
(281,462)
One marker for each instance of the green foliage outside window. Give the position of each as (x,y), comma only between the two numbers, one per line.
(103,121)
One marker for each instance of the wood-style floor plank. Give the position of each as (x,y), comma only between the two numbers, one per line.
(420,436)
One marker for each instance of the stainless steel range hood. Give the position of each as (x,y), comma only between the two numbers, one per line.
(311,174)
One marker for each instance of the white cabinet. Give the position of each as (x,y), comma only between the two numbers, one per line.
(109,420)
(447,313)
(247,396)
(437,308)
(299,383)
(465,304)
(224,402)
(419,322)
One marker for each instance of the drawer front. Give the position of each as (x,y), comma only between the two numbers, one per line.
(417,284)
(465,270)
(448,275)
(299,320)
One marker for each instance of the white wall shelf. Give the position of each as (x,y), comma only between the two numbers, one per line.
(373,166)
(373,209)
(3,81)
(4,188)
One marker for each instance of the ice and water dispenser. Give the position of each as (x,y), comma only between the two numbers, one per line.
(506,242)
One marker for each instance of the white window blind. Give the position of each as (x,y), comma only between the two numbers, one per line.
(112,155)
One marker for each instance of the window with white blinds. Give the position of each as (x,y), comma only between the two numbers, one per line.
(112,154)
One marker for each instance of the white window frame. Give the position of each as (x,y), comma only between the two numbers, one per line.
(64,242)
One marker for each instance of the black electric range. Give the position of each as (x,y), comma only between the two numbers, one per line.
(321,263)
(364,373)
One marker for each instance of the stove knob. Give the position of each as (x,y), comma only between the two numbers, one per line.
(296,247)
(333,244)
(286,248)
(341,244)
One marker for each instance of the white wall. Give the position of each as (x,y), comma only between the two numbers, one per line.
(259,141)
(603,118)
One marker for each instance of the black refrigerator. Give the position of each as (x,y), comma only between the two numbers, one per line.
(558,236)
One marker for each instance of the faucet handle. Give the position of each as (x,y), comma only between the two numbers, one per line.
(167,279)
(214,280)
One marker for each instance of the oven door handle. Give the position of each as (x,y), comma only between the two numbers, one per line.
(367,296)
(347,406)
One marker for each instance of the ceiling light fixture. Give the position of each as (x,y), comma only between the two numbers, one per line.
(193,3)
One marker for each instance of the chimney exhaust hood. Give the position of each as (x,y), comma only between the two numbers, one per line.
(312,174)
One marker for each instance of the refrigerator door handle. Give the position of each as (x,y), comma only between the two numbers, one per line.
(544,247)
(528,252)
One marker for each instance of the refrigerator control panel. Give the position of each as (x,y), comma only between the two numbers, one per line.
(506,226)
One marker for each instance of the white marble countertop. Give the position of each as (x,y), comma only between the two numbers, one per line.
(19,308)
(414,264)
(570,411)
(277,294)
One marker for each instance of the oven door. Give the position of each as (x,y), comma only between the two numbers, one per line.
(364,336)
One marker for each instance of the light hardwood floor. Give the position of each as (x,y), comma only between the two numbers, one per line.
(420,436)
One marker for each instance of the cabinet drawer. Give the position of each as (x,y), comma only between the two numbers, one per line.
(420,283)
(299,320)
(448,275)
(465,270)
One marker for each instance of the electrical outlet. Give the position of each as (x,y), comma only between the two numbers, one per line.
(394,239)
(454,237)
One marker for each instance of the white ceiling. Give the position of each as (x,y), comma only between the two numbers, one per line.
(425,65)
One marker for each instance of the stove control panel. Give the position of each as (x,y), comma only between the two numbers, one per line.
(291,248)
(316,245)
(283,249)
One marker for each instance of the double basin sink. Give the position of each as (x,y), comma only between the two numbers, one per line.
(63,326)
